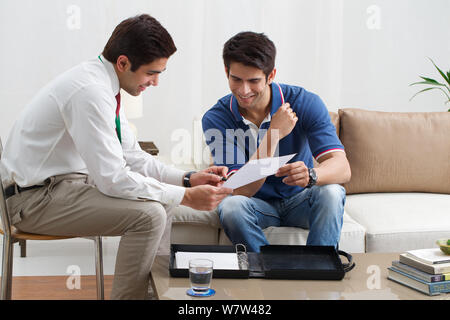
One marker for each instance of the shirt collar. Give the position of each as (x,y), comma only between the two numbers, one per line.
(115,86)
(277,97)
(268,118)
(277,101)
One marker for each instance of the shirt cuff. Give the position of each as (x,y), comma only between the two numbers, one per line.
(174,177)
(173,195)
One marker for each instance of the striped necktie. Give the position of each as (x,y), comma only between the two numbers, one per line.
(118,118)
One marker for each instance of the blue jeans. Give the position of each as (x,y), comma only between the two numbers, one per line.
(319,209)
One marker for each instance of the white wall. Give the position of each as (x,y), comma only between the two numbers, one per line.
(353,53)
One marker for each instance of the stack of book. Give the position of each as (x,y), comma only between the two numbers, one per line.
(426,270)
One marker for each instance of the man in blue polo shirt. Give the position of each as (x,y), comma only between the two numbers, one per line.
(263,119)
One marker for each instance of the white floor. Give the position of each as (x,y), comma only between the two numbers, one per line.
(63,257)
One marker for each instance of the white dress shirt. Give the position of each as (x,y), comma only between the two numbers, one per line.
(69,127)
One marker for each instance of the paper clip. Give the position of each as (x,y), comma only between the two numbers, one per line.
(241,252)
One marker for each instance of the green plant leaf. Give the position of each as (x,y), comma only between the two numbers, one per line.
(440,71)
(432,81)
(448,97)
(429,81)
(427,89)
(421,82)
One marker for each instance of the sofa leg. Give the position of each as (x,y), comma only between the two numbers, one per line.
(23,248)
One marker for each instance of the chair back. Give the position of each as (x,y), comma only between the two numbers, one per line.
(6,223)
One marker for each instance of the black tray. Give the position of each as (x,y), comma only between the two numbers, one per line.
(303,262)
(277,262)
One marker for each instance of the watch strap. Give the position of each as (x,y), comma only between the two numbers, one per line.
(187,179)
(312,177)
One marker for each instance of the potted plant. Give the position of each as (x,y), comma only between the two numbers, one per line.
(444,87)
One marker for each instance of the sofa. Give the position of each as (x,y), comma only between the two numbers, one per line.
(398,198)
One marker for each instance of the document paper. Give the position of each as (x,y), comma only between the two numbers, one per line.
(255,170)
(225,260)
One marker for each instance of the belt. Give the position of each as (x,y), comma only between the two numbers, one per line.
(11,190)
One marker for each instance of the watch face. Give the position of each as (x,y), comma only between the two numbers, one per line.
(312,177)
(313,174)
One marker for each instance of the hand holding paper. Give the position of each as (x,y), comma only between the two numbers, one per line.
(255,170)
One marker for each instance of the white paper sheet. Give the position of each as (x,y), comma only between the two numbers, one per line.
(225,260)
(255,170)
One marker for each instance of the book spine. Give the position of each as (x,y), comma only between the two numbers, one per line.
(441,270)
(433,288)
(418,274)
(437,278)
(439,287)
(409,285)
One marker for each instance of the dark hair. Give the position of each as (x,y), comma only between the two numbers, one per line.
(251,49)
(142,39)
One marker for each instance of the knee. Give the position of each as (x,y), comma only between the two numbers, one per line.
(331,195)
(153,216)
(233,208)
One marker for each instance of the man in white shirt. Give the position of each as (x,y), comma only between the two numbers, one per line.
(72,166)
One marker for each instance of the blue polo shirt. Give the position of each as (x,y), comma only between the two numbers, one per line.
(232,143)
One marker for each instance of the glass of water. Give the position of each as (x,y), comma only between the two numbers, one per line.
(200,274)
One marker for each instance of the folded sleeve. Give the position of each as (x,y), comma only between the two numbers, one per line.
(317,125)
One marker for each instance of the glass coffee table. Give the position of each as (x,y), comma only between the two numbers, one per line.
(367,281)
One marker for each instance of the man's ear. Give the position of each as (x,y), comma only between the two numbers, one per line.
(227,71)
(123,63)
(271,76)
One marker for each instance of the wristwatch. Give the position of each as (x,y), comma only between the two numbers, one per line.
(312,177)
(187,179)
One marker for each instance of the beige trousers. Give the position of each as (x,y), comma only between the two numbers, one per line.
(71,205)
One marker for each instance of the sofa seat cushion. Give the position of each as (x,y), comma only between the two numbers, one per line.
(397,222)
(352,236)
(190,226)
(186,215)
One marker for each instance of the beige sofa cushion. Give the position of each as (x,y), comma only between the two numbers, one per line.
(335,120)
(186,215)
(397,222)
(334,116)
(190,226)
(396,152)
